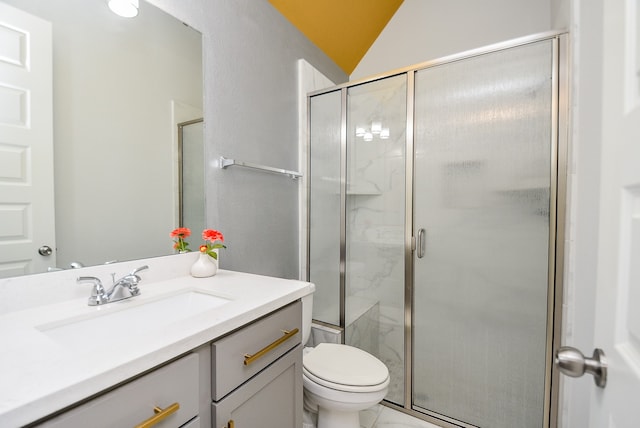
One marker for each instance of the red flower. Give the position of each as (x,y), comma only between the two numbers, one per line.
(212,235)
(181,232)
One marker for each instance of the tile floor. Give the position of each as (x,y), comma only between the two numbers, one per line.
(384,417)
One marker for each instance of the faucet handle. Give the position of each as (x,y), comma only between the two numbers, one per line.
(98,293)
(141,268)
(135,280)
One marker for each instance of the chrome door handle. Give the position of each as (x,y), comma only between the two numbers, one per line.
(420,245)
(572,362)
(45,250)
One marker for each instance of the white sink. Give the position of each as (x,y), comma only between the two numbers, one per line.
(119,321)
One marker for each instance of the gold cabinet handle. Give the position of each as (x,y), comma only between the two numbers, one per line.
(160,414)
(231,424)
(248,358)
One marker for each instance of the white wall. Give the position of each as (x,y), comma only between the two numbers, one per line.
(422,30)
(581,257)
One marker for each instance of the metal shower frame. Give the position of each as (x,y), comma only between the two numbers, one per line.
(557,217)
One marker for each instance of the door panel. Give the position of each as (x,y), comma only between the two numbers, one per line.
(483,151)
(26,143)
(617,320)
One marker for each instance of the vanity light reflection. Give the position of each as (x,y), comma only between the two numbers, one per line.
(376,129)
(124,8)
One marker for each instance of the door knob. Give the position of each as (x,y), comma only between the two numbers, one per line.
(45,250)
(573,363)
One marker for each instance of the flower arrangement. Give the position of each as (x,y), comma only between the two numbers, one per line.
(179,235)
(213,240)
(211,237)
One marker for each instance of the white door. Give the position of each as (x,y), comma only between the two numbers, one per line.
(26,143)
(617,320)
(617,307)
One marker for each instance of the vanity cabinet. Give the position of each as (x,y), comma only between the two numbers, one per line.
(258,373)
(272,399)
(171,390)
(251,377)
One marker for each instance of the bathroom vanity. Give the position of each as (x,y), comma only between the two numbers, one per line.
(223,351)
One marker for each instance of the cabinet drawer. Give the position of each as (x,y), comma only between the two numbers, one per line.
(272,399)
(267,334)
(133,403)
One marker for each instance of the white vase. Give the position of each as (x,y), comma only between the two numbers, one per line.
(204,267)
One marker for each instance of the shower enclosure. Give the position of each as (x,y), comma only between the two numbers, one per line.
(435,228)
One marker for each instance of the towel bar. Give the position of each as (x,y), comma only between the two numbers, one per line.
(224,163)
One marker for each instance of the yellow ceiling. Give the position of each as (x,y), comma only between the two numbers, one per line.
(343,29)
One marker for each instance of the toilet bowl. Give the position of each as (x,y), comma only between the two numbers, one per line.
(339,380)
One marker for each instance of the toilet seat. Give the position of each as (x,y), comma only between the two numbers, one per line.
(345,368)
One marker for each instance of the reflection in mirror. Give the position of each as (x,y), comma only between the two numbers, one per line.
(191,148)
(120,88)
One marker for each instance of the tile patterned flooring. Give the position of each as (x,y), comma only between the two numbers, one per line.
(384,417)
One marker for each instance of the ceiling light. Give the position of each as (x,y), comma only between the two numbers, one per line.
(124,8)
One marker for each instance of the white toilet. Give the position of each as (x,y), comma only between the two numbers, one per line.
(339,380)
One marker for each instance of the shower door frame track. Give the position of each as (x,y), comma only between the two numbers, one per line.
(557,214)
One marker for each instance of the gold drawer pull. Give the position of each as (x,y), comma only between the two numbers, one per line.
(231,424)
(248,358)
(160,414)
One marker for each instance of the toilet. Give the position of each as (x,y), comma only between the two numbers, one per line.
(339,380)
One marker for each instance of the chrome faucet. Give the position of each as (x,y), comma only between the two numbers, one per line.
(124,288)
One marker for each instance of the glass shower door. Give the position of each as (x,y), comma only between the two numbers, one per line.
(483,152)
(324,204)
(375,223)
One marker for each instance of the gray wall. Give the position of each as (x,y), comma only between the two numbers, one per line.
(250,54)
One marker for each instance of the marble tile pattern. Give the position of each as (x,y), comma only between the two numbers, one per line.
(364,331)
(383,417)
(323,334)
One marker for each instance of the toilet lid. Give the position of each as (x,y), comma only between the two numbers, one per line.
(345,365)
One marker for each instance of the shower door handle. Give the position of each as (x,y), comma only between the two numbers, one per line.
(420,244)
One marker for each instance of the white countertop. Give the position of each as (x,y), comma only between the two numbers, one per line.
(39,376)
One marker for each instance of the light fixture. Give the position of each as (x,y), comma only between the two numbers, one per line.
(368,136)
(360,132)
(376,127)
(124,8)
(384,134)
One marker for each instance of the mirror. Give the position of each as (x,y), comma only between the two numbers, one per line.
(121,87)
